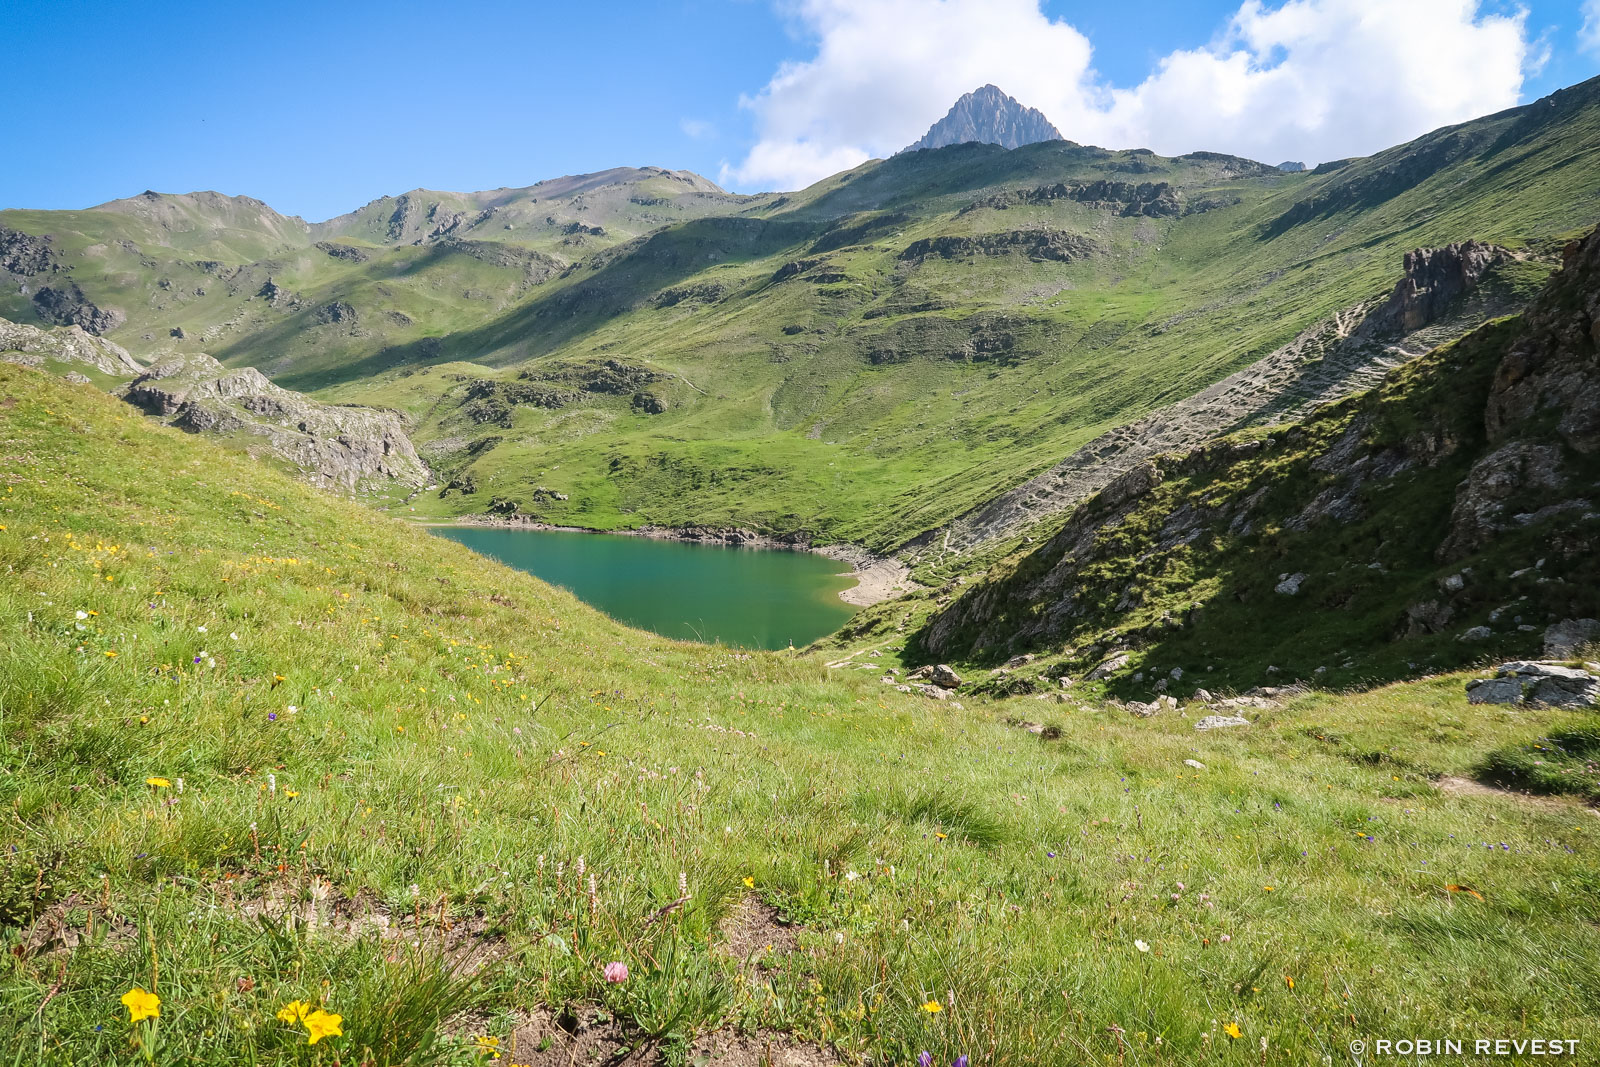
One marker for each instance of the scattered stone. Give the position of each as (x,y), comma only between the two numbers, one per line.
(1176,674)
(1453,584)
(1477,633)
(1019,661)
(1289,584)
(1196,764)
(1203,696)
(1220,722)
(1109,667)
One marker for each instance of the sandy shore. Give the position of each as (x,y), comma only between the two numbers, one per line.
(877,578)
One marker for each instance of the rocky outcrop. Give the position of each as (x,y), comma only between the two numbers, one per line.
(1543,412)
(1153,199)
(1433,279)
(354,449)
(65,305)
(34,347)
(25,255)
(1040,244)
(989,116)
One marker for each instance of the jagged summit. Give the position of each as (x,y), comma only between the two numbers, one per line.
(991,117)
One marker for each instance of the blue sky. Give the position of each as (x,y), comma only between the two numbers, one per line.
(318,108)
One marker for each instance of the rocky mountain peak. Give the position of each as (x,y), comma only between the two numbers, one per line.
(989,116)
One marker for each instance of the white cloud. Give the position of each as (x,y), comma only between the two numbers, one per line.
(699,129)
(1308,79)
(1589,33)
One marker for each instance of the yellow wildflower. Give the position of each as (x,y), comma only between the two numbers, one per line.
(159,783)
(141,1005)
(491,1045)
(933,1007)
(321,1024)
(293,1012)
(1233,1031)
(749,883)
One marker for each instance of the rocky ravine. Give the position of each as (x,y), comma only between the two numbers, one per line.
(1436,300)
(355,449)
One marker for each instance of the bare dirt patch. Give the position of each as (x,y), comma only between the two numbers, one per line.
(765,1049)
(1455,786)
(592,1036)
(575,1039)
(755,933)
(465,939)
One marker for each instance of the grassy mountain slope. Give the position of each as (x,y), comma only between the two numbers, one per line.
(252,734)
(866,358)
(1446,516)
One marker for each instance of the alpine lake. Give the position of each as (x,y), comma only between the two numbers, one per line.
(741,597)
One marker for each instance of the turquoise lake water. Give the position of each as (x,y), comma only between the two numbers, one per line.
(748,597)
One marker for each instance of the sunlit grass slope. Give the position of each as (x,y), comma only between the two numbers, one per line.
(367,719)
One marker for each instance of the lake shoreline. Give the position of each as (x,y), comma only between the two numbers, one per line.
(878,578)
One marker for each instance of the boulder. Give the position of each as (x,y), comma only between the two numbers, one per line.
(1532,682)
(1289,584)
(1564,638)
(1220,722)
(1476,633)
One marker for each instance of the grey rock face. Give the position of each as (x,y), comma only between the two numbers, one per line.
(31,346)
(989,116)
(1494,691)
(1567,636)
(1292,166)
(1433,278)
(337,447)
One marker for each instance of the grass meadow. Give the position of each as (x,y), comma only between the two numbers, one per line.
(268,758)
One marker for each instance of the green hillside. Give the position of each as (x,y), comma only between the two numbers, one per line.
(1440,520)
(865,359)
(260,745)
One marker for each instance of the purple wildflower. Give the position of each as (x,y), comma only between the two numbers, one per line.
(925,1059)
(272,716)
